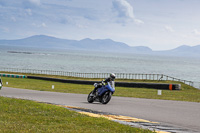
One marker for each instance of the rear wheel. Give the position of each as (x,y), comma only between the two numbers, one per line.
(106,97)
(90,98)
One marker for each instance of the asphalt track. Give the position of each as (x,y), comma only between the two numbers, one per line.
(180,114)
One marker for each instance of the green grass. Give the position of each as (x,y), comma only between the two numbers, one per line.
(43,85)
(28,116)
(182,95)
(187,93)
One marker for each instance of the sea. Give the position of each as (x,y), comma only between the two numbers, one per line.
(185,68)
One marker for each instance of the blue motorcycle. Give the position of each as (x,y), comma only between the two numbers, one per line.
(103,93)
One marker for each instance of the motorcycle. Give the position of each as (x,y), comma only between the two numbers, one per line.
(103,93)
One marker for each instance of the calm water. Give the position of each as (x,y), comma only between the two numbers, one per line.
(83,61)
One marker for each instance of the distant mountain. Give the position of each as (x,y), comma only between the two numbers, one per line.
(181,48)
(141,48)
(39,41)
(43,41)
(185,50)
(104,45)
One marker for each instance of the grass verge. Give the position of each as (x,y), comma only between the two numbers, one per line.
(187,93)
(27,116)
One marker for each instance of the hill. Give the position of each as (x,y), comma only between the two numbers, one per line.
(44,41)
(183,50)
(103,45)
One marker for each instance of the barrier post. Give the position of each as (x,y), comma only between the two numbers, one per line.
(170,86)
(159,92)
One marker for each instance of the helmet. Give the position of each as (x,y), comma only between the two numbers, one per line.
(112,76)
(95,85)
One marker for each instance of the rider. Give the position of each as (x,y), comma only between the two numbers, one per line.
(105,82)
(111,78)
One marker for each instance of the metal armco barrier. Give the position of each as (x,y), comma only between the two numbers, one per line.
(160,86)
(99,75)
(64,80)
(118,84)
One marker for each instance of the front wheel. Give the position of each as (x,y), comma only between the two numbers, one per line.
(106,97)
(90,98)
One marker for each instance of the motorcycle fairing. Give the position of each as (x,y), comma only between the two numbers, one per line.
(108,87)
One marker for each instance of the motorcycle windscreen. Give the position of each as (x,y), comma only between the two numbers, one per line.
(111,86)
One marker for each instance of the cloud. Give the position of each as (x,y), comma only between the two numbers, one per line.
(196,32)
(125,11)
(138,21)
(82,26)
(13,19)
(29,11)
(5,29)
(30,4)
(39,25)
(36,2)
(169,28)
(123,8)
(20,3)
(44,25)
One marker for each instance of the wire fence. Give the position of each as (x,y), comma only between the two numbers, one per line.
(103,75)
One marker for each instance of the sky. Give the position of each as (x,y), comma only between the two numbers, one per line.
(157,24)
